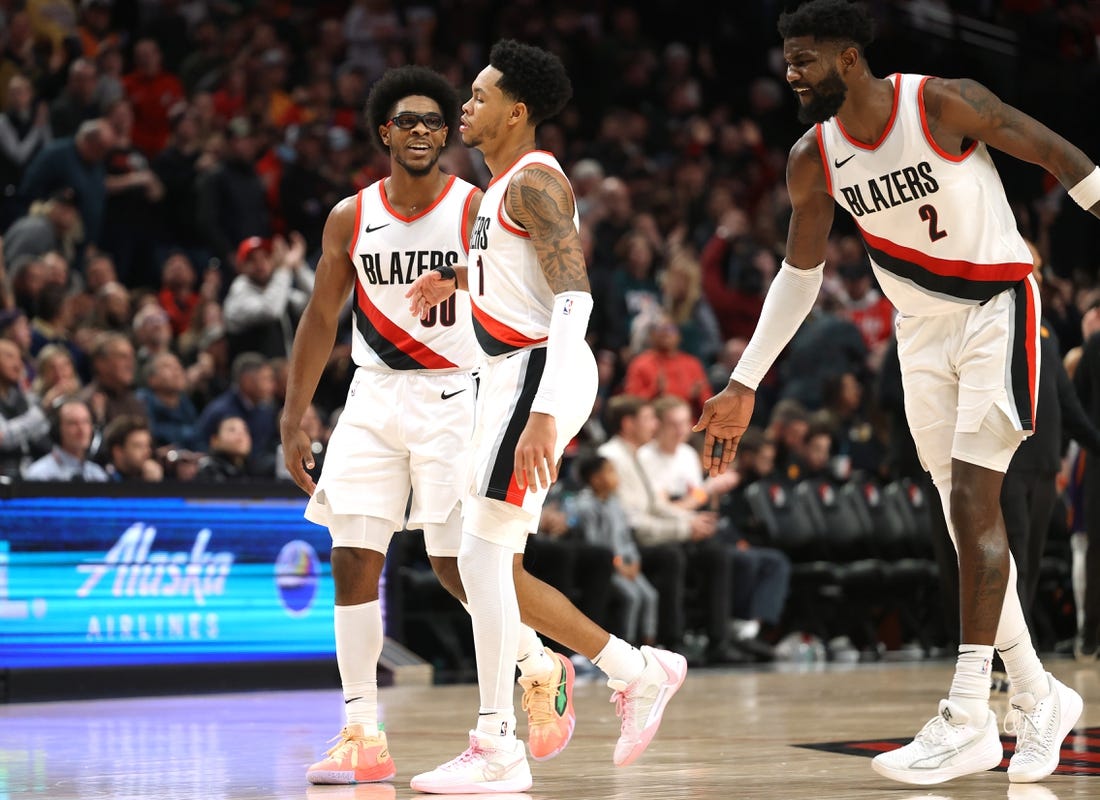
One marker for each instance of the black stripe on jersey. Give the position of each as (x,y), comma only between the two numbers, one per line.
(950,285)
(1020,369)
(491,345)
(392,356)
(504,460)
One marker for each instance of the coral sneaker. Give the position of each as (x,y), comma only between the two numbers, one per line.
(548,701)
(640,704)
(490,765)
(355,758)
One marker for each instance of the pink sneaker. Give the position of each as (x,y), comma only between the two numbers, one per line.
(355,758)
(548,702)
(490,765)
(640,704)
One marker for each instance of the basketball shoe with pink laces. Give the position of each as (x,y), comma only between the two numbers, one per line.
(548,701)
(641,703)
(488,766)
(357,757)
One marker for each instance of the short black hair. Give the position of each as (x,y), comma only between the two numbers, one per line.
(532,76)
(588,466)
(401,82)
(830,20)
(620,407)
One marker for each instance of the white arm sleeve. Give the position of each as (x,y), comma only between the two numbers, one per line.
(568,327)
(790,299)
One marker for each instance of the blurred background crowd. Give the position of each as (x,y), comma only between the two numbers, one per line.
(167,166)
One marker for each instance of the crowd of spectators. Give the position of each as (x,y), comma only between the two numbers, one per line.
(167,167)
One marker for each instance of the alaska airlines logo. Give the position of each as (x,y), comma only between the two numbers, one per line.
(133,569)
(297,569)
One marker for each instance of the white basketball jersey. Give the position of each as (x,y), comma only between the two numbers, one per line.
(512,302)
(938,227)
(389,252)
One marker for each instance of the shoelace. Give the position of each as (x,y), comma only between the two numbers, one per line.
(936,731)
(347,740)
(622,710)
(538,702)
(468,756)
(1019,723)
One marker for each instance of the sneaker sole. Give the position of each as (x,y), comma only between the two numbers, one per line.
(1071,712)
(989,756)
(673,686)
(570,679)
(332,778)
(488,787)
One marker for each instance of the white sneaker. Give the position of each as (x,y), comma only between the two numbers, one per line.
(947,747)
(641,703)
(1040,726)
(488,766)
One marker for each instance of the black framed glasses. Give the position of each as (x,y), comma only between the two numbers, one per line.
(407,120)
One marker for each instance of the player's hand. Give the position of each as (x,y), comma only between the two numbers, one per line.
(430,289)
(725,417)
(536,467)
(296,453)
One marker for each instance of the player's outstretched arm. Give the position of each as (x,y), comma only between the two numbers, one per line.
(436,285)
(315,336)
(959,111)
(790,298)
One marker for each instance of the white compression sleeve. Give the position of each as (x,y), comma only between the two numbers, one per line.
(1086,193)
(568,326)
(790,298)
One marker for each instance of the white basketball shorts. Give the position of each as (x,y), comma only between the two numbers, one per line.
(971,379)
(399,431)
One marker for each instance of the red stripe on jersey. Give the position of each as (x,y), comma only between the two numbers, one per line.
(353,246)
(501,332)
(508,226)
(1029,345)
(824,161)
(950,267)
(885,131)
(515,494)
(392,332)
(419,214)
(928,131)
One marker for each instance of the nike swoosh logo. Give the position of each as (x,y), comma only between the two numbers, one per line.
(444,395)
(369,229)
(837,164)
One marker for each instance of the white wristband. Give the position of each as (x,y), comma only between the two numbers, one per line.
(568,327)
(1087,191)
(790,299)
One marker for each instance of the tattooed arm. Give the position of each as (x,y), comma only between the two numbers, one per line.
(541,200)
(960,112)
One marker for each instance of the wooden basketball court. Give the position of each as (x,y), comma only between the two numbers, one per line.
(784,732)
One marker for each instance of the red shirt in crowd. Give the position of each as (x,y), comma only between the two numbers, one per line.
(152,98)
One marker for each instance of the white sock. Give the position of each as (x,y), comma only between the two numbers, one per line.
(531,656)
(486,570)
(970,686)
(620,661)
(358,648)
(1023,666)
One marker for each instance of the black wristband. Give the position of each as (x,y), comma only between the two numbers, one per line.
(447,273)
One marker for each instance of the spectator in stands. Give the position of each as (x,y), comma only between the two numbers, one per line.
(828,343)
(15,329)
(267,296)
(229,450)
(152,335)
(172,416)
(24,428)
(858,444)
(232,201)
(111,391)
(24,130)
(664,369)
(787,429)
(178,166)
(734,277)
(129,448)
(76,163)
(71,430)
(49,225)
(250,398)
(603,521)
(55,374)
(154,92)
(864,304)
(77,102)
(700,335)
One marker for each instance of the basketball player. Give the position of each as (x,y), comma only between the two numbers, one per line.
(409,414)
(906,156)
(528,287)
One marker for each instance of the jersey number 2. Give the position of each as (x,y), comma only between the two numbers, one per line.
(928,214)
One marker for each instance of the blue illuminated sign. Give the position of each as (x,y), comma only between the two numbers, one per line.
(128,581)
